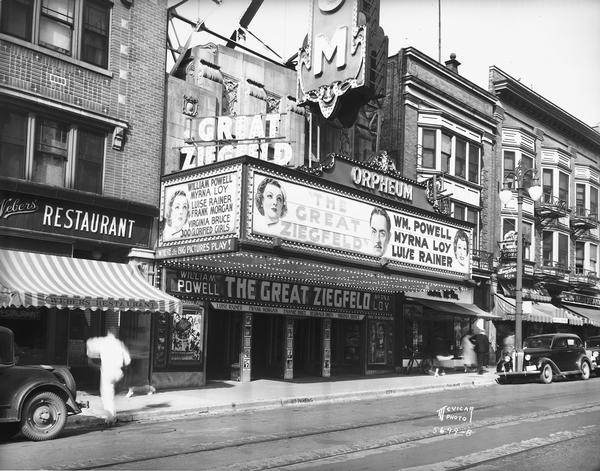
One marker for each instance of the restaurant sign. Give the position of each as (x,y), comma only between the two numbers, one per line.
(240,290)
(38,214)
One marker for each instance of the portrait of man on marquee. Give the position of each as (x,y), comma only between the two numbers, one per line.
(380,233)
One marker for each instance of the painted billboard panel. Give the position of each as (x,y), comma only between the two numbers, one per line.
(197,208)
(306,215)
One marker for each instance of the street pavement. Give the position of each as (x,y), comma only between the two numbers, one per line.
(223,397)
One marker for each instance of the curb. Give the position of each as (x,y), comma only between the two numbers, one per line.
(92,422)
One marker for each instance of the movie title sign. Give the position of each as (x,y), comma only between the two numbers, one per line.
(304,215)
(245,290)
(219,138)
(64,218)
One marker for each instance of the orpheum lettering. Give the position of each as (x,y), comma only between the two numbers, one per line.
(85,221)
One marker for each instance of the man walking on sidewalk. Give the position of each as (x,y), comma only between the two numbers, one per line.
(482,348)
(113,357)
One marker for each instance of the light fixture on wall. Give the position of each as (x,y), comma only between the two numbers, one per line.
(519,180)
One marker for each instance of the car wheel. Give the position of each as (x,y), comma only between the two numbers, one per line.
(546,374)
(65,377)
(7,431)
(585,370)
(44,416)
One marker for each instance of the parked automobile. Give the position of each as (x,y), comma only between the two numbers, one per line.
(546,357)
(34,399)
(592,348)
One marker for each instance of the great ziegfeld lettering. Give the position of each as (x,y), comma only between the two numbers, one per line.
(337,222)
(219,138)
(197,208)
(243,290)
(61,217)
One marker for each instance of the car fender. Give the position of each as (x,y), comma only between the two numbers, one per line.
(582,358)
(545,360)
(57,388)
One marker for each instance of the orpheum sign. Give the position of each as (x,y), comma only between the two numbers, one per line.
(332,68)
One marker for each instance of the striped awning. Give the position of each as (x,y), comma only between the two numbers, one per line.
(540,312)
(590,314)
(37,280)
(461,309)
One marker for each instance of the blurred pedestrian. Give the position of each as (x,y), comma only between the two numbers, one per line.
(113,356)
(482,349)
(468,352)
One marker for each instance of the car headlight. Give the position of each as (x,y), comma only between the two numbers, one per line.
(507,358)
(527,357)
(595,354)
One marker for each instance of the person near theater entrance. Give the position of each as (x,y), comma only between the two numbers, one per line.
(113,355)
(482,349)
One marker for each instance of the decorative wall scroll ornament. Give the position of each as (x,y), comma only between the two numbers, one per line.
(333,73)
(273,103)
(118,138)
(190,106)
(436,194)
(321,166)
(382,162)
(230,96)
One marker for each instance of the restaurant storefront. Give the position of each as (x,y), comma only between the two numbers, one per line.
(315,292)
(72,264)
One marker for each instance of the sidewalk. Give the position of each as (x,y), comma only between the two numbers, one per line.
(221,397)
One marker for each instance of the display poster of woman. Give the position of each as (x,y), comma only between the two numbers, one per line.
(271,203)
(176,216)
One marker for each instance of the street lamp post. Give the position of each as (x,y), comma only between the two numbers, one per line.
(516,180)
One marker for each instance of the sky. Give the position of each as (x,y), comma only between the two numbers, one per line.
(551,46)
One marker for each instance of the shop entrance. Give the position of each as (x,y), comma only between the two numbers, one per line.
(223,343)
(307,347)
(267,346)
(346,352)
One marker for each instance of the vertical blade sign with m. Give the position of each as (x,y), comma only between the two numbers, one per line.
(334,66)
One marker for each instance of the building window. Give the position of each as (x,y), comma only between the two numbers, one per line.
(594,202)
(547,248)
(64,154)
(474,155)
(579,257)
(563,187)
(457,155)
(563,250)
(428,149)
(62,26)
(594,258)
(13,137)
(579,196)
(511,160)
(446,152)
(460,162)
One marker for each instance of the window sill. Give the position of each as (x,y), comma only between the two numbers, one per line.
(56,55)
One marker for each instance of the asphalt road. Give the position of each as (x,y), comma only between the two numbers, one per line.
(523,426)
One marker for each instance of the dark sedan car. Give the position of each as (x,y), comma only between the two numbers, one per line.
(592,347)
(545,357)
(35,399)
